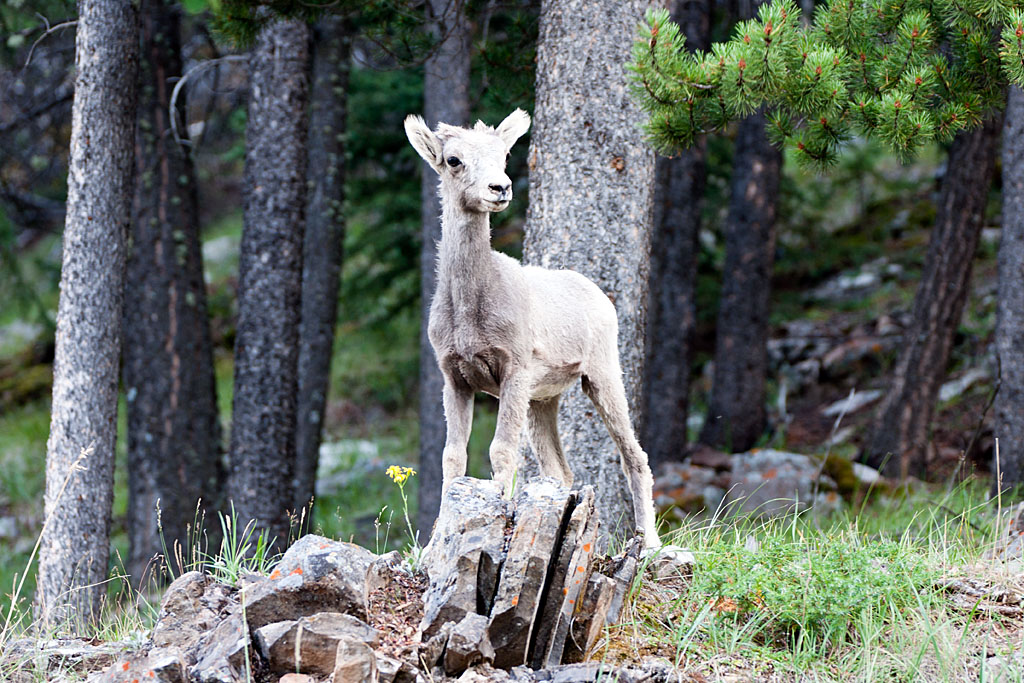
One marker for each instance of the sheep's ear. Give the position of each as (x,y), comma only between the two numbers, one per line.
(423,141)
(513,127)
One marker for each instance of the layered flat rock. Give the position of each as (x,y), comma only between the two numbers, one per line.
(308,645)
(568,580)
(540,513)
(192,606)
(465,553)
(468,644)
(354,662)
(590,619)
(223,653)
(315,575)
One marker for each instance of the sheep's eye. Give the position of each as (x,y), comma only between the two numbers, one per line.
(453,161)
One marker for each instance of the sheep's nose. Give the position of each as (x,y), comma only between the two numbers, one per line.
(501,189)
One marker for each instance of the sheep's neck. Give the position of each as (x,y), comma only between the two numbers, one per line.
(464,258)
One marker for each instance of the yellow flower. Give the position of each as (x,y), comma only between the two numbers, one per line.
(399,475)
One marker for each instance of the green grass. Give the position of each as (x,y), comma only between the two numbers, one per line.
(849,597)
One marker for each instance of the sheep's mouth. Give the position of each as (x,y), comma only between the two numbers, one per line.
(500,204)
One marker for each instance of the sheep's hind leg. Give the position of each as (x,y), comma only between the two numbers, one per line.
(605,389)
(542,428)
(513,402)
(458,414)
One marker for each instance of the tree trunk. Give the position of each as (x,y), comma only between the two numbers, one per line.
(672,312)
(736,413)
(591,198)
(173,429)
(899,436)
(262,456)
(445,99)
(1009,406)
(322,250)
(75,546)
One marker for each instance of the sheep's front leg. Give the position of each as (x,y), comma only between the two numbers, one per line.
(513,402)
(458,414)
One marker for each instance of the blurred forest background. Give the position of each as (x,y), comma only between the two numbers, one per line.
(781,300)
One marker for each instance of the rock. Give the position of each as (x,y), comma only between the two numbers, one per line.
(315,575)
(355,662)
(588,672)
(683,488)
(956,387)
(706,456)
(168,665)
(297,678)
(622,571)
(66,654)
(865,474)
(159,666)
(771,483)
(308,645)
(391,670)
(8,528)
(804,374)
(850,284)
(484,674)
(669,561)
(851,355)
(193,605)
(842,435)
(568,581)
(224,651)
(1003,668)
(540,511)
(852,403)
(590,619)
(432,650)
(465,553)
(468,645)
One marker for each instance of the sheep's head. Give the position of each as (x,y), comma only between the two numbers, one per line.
(470,161)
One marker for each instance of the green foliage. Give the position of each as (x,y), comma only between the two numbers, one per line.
(242,550)
(905,73)
(394,25)
(850,596)
(21,23)
(816,587)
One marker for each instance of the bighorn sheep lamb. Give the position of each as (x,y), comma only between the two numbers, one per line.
(520,333)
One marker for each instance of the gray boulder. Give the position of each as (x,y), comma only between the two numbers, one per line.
(308,645)
(192,606)
(468,644)
(770,483)
(465,553)
(355,662)
(223,653)
(315,575)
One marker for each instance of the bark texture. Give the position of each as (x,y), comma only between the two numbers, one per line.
(445,99)
(74,549)
(736,413)
(322,251)
(262,456)
(173,429)
(1009,405)
(899,435)
(672,313)
(591,198)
